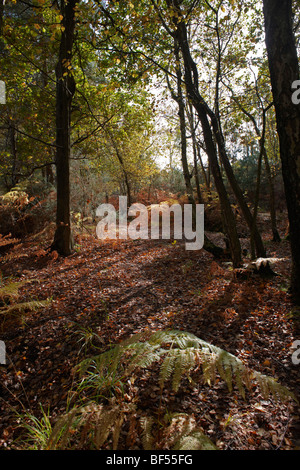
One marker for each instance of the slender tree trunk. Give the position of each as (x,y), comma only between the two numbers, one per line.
(195,151)
(276,236)
(14,154)
(228,216)
(257,191)
(121,161)
(1,16)
(65,89)
(191,83)
(284,70)
(209,246)
(206,174)
(181,112)
(260,249)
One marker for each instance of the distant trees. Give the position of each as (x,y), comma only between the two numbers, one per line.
(113,52)
(44,122)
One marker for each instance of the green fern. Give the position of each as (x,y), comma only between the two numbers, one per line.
(10,291)
(22,307)
(181,353)
(195,440)
(15,312)
(179,433)
(146,423)
(184,434)
(90,427)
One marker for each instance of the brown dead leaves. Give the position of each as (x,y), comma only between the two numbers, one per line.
(116,289)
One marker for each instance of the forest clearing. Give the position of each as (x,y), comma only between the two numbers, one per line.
(149,226)
(108,291)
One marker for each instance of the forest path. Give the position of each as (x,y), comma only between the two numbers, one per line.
(118,288)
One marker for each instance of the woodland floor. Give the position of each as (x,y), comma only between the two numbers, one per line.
(118,288)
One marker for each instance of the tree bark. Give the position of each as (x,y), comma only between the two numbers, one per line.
(191,83)
(209,246)
(1,16)
(14,155)
(260,249)
(190,116)
(276,236)
(284,70)
(65,90)
(183,140)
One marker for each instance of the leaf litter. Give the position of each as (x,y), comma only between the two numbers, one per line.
(107,291)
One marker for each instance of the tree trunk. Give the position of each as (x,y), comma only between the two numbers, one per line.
(14,154)
(65,89)
(120,158)
(181,113)
(276,236)
(228,216)
(260,249)
(191,83)
(1,16)
(195,151)
(284,70)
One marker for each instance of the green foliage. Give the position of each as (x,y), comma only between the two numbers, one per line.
(99,425)
(179,355)
(10,291)
(11,310)
(180,432)
(38,430)
(96,425)
(93,423)
(93,426)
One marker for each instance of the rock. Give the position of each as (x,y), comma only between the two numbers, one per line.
(263,267)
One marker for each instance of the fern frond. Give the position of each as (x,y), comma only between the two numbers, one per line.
(11,290)
(181,353)
(184,434)
(60,432)
(146,423)
(90,425)
(196,440)
(167,368)
(180,424)
(185,362)
(104,420)
(270,387)
(116,431)
(19,308)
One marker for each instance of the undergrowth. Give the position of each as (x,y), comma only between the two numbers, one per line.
(13,311)
(100,415)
